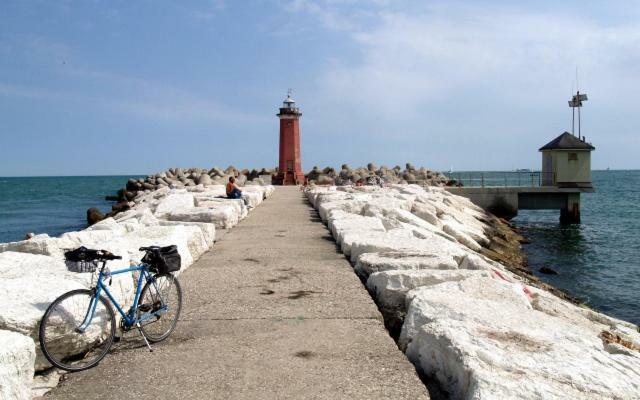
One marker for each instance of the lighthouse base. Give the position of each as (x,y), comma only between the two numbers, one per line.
(289,178)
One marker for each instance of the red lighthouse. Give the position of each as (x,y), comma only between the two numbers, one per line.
(290,166)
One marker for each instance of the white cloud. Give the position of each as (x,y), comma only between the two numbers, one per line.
(451,83)
(409,61)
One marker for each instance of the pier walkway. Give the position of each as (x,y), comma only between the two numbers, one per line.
(273,311)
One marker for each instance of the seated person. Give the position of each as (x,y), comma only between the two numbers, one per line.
(233,191)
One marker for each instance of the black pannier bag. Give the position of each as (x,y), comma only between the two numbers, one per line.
(165,259)
(82,259)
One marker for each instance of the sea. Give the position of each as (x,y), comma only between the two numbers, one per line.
(52,205)
(597,261)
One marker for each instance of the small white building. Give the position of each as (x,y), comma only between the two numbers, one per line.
(566,162)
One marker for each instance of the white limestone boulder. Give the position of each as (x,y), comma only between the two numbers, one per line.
(427,212)
(223,216)
(208,229)
(142,215)
(17,357)
(29,284)
(395,218)
(174,202)
(210,194)
(356,243)
(340,222)
(107,224)
(259,191)
(391,287)
(92,238)
(481,338)
(587,318)
(42,244)
(253,199)
(455,229)
(353,206)
(268,190)
(370,263)
(215,202)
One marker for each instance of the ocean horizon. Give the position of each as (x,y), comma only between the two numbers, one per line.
(127,176)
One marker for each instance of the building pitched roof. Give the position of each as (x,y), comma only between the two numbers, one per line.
(567,141)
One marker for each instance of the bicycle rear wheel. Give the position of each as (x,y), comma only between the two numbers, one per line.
(64,344)
(161,296)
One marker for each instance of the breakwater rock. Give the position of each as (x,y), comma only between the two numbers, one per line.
(478,327)
(371,174)
(180,178)
(33,272)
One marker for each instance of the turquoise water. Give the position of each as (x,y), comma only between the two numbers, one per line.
(52,205)
(598,260)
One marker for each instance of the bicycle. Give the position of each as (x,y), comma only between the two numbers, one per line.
(78,328)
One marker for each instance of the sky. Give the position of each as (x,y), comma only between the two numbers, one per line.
(135,87)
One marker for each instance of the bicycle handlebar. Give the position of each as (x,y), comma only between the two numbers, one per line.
(149,248)
(107,255)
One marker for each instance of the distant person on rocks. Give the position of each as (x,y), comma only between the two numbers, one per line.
(233,191)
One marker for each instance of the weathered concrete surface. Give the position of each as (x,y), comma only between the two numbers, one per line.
(273,311)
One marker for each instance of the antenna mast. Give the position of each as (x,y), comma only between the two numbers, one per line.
(576,102)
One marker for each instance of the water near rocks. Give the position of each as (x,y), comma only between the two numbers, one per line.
(598,261)
(52,205)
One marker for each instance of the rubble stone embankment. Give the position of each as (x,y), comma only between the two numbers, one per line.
(446,276)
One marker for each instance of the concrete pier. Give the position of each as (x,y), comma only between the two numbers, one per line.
(506,201)
(273,311)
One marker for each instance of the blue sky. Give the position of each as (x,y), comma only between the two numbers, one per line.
(128,87)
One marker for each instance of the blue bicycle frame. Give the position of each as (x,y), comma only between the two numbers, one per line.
(129,318)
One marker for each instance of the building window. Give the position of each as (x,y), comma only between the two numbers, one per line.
(573,156)
(289,165)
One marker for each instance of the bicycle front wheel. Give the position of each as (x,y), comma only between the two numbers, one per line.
(77,330)
(160,305)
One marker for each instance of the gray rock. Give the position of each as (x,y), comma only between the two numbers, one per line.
(132,185)
(231,170)
(313,174)
(324,180)
(329,171)
(204,179)
(94,215)
(409,177)
(217,171)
